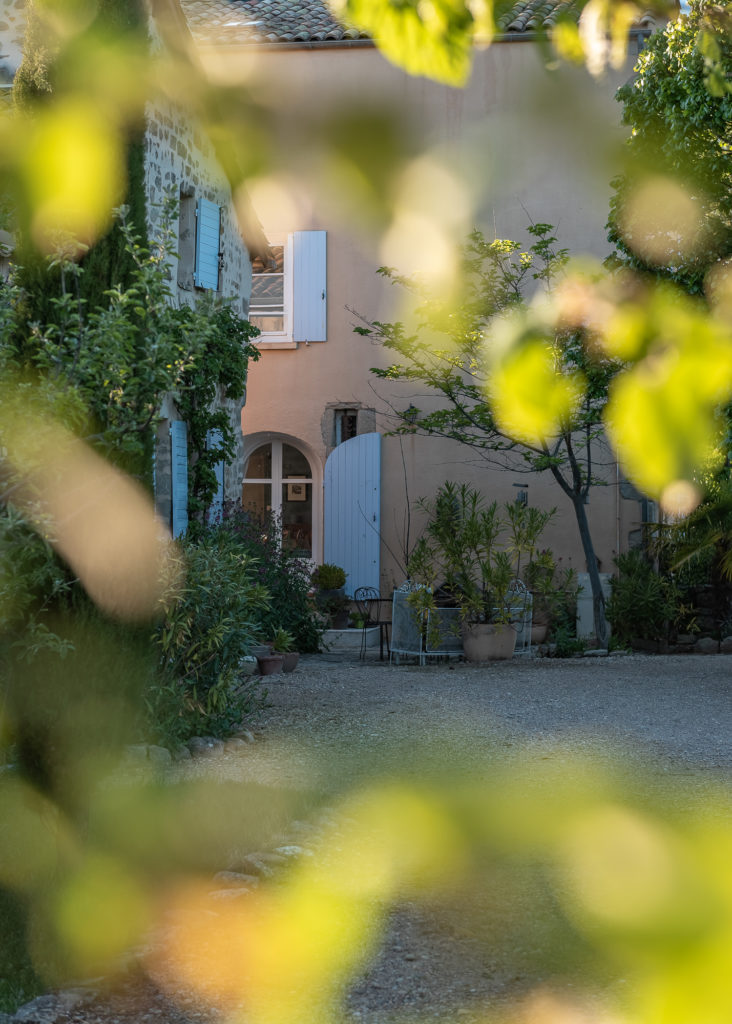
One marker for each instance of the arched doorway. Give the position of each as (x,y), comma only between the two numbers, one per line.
(278,479)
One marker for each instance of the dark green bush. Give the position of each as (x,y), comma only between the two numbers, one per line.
(19,982)
(643,604)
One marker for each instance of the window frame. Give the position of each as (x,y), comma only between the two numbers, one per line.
(255,441)
(285,335)
(305,271)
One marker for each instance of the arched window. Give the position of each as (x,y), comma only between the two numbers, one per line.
(278,479)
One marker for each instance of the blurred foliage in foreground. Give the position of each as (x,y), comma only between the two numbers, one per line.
(593,887)
(624,889)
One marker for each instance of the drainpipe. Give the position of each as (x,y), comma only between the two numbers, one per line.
(617,509)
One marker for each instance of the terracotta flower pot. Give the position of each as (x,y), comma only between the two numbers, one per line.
(488,641)
(270,664)
(538,633)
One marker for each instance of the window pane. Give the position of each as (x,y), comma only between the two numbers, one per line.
(275,266)
(294,462)
(268,290)
(297,518)
(259,466)
(257,499)
(268,324)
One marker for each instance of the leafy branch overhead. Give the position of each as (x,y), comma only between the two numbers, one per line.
(511,384)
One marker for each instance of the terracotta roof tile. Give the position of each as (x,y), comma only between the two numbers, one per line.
(263,21)
(303,21)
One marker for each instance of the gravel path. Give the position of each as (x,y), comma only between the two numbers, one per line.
(677,705)
(330,721)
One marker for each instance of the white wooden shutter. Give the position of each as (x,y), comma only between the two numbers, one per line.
(216,508)
(309,286)
(352,502)
(208,216)
(179,475)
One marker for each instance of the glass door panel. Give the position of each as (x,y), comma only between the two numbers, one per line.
(257,499)
(297,517)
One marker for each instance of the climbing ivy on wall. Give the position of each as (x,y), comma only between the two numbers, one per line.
(217,364)
(219,372)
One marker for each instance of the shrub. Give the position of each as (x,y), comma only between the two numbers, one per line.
(211,619)
(643,604)
(19,981)
(283,642)
(554,591)
(284,575)
(329,577)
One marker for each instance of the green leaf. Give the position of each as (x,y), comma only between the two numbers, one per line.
(430,37)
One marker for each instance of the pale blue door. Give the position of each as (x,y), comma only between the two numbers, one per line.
(216,508)
(352,505)
(179,475)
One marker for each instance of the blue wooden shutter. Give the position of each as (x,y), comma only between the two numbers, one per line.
(309,286)
(352,500)
(215,509)
(179,475)
(208,217)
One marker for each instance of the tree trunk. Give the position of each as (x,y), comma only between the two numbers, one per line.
(598,598)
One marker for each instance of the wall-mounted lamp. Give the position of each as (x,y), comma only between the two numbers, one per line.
(410,414)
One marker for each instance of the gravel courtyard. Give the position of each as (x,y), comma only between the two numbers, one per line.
(333,719)
(678,706)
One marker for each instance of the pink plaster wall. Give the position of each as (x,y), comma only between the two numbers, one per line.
(532,144)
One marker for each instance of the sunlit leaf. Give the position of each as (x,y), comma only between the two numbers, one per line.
(631,879)
(100,912)
(663,414)
(429,37)
(531,398)
(284,952)
(603,30)
(394,837)
(567,42)
(662,222)
(32,836)
(71,159)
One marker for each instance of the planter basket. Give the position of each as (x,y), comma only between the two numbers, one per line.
(407,637)
(522,606)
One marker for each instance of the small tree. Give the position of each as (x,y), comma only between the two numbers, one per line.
(495,398)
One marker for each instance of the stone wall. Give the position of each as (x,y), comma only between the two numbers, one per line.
(12,31)
(179,161)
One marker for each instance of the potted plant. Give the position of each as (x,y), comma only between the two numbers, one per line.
(478,551)
(284,643)
(554,593)
(330,595)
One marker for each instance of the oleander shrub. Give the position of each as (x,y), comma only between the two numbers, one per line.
(212,616)
(643,603)
(285,576)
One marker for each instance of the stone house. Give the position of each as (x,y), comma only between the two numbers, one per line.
(522,142)
(212,256)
